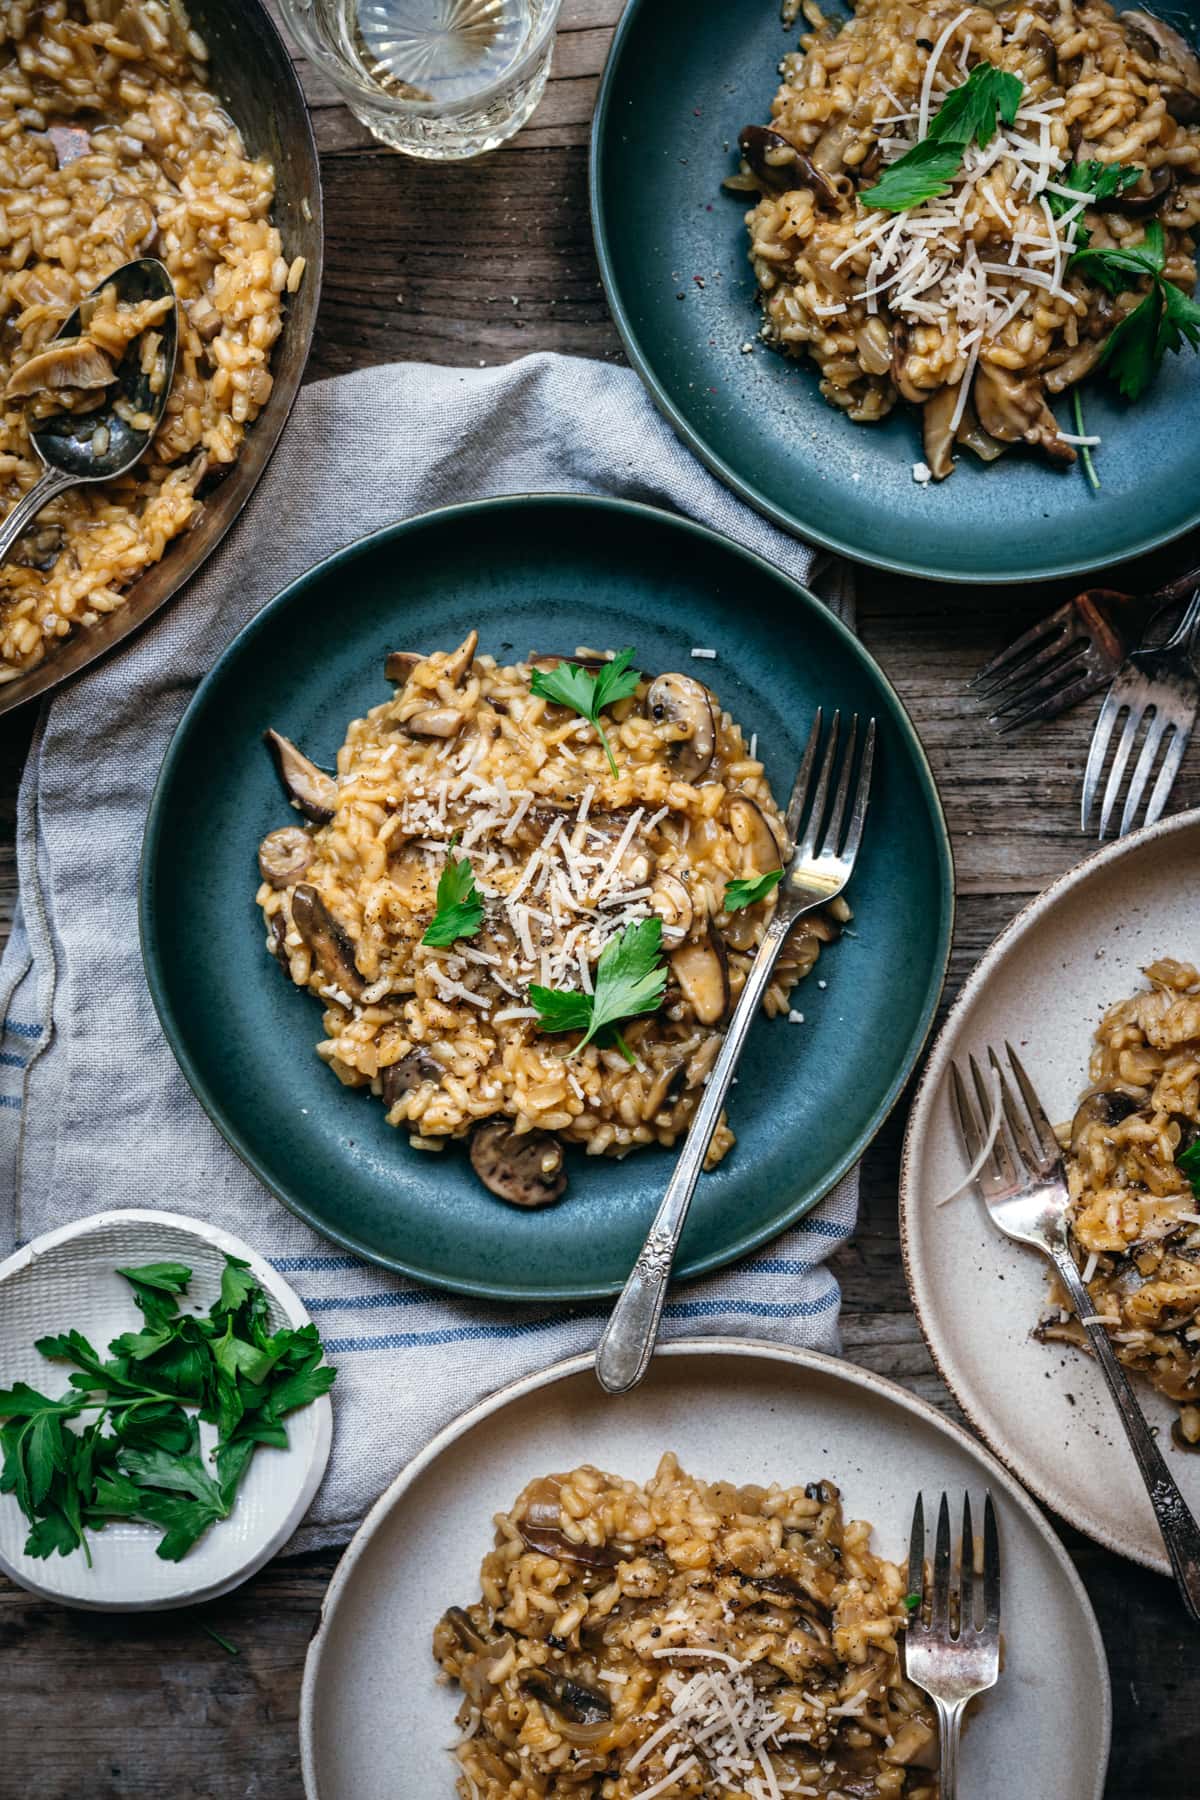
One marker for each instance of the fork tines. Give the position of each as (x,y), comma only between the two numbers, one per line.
(1040,674)
(811,808)
(1025,1142)
(966,1610)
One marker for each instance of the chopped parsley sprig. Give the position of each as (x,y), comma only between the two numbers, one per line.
(1164,319)
(459,903)
(630,980)
(1189,1162)
(967,115)
(588,694)
(140,1456)
(748,890)
(1090,181)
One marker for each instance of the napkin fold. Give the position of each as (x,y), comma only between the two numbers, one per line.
(94,1111)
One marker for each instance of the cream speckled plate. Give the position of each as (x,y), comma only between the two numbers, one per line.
(1045,1409)
(67,1280)
(374,1725)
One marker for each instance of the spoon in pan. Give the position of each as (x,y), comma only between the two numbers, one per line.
(98,445)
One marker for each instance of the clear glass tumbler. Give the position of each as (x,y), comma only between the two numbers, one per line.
(439,79)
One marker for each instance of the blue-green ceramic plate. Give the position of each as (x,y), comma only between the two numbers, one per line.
(547,574)
(682,79)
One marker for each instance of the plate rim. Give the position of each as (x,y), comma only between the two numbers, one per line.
(808,529)
(153,966)
(283,1291)
(81,652)
(920,1122)
(755,1349)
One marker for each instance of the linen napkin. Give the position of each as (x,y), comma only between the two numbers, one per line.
(95,1113)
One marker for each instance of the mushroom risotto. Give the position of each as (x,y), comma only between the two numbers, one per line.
(972,207)
(684,1638)
(112,147)
(528,901)
(1134,1173)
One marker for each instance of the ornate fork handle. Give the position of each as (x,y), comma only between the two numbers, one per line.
(627,1345)
(1180,1532)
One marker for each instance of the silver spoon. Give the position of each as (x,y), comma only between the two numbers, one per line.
(65,442)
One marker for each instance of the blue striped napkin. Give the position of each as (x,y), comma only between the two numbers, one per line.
(93,1110)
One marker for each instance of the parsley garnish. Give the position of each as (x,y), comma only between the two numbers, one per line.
(630,980)
(912,1601)
(966,115)
(459,903)
(1189,1162)
(1091,181)
(1085,450)
(140,1456)
(748,890)
(587,694)
(1165,319)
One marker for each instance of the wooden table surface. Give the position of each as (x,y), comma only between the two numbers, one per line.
(99,1708)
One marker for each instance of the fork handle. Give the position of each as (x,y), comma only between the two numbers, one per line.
(624,1352)
(1180,1532)
(950,1718)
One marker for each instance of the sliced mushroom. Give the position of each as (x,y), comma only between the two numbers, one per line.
(874,342)
(74,363)
(540,1526)
(753,831)
(1081,361)
(973,437)
(40,548)
(1015,411)
(672,902)
(402,1077)
(548,663)
(571,1699)
(459,661)
(1176,65)
(329,942)
(462,1626)
(937,431)
(703,976)
(1103,1108)
(1145,197)
(1189,1133)
(683,711)
(284,856)
(400,665)
(1039,57)
(69,143)
(313,790)
(779,166)
(277,928)
(434,722)
(525,1168)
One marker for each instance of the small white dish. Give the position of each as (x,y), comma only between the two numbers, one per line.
(1044,984)
(374,1724)
(67,1280)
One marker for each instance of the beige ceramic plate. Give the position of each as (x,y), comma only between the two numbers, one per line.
(374,1725)
(66,1280)
(1043,985)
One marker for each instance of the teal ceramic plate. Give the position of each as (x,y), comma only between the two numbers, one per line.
(681,82)
(548,574)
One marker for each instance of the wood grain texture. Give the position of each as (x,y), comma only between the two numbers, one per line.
(483,264)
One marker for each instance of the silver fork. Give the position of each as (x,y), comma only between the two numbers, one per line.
(817,871)
(1024,1185)
(953,1665)
(1160,686)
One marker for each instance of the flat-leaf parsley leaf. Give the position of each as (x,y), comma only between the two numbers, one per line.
(1164,319)
(748,890)
(587,694)
(966,115)
(1189,1162)
(630,980)
(459,904)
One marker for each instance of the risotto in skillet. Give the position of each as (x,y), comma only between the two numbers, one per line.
(1134,1172)
(684,1638)
(527,902)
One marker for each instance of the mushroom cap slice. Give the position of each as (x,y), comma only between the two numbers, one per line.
(434,722)
(68,363)
(937,431)
(683,711)
(754,832)
(779,167)
(402,1077)
(1015,411)
(702,973)
(672,902)
(400,665)
(313,790)
(329,942)
(525,1168)
(284,855)
(1176,65)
